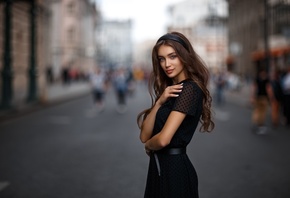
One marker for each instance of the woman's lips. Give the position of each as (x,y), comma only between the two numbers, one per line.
(169,71)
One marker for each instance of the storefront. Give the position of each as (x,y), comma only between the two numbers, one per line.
(279,58)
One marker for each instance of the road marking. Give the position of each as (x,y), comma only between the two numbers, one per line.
(3,185)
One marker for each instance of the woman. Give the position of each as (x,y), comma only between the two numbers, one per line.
(180,99)
(261,98)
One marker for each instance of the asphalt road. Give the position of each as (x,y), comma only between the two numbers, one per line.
(72,151)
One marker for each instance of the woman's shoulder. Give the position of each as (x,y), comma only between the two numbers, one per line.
(190,86)
(190,83)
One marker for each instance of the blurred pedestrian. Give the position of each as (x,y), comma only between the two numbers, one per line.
(220,84)
(65,75)
(49,74)
(121,88)
(98,84)
(260,96)
(277,98)
(178,88)
(286,96)
(131,83)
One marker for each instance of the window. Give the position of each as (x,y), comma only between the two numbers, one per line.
(71,7)
(71,34)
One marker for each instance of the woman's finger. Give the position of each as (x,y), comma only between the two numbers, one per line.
(176,89)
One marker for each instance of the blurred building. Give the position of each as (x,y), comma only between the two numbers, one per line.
(72,35)
(114,44)
(258,28)
(23,40)
(209,38)
(39,38)
(205,24)
(143,54)
(187,13)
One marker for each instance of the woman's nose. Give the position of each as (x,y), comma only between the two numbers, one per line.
(167,63)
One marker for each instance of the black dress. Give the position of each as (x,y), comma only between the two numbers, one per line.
(175,176)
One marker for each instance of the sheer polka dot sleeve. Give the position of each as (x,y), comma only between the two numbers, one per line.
(189,100)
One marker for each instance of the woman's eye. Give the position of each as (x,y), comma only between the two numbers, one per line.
(173,56)
(161,59)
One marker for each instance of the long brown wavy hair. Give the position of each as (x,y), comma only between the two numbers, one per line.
(195,70)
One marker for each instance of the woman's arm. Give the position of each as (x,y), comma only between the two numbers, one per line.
(163,138)
(253,93)
(148,123)
(270,92)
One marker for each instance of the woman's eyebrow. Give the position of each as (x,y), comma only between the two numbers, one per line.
(172,53)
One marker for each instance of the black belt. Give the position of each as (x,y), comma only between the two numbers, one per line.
(167,151)
(172,151)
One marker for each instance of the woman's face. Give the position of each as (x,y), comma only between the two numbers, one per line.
(171,64)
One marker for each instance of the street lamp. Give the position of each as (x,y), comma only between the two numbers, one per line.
(32,88)
(266,35)
(7,64)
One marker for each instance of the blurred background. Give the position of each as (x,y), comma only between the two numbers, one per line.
(54,127)
(41,41)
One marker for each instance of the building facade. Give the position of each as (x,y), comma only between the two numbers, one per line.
(23,48)
(72,36)
(114,44)
(263,30)
(38,36)
(205,26)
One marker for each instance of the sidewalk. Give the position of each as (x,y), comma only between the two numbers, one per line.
(55,94)
(58,93)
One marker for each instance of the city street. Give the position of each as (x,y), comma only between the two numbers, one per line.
(72,151)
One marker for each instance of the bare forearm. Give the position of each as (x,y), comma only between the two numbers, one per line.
(148,124)
(163,138)
(155,143)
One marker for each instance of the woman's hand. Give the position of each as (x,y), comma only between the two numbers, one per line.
(148,152)
(170,91)
(148,123)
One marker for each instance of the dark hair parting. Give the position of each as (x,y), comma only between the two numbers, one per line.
(173,38)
